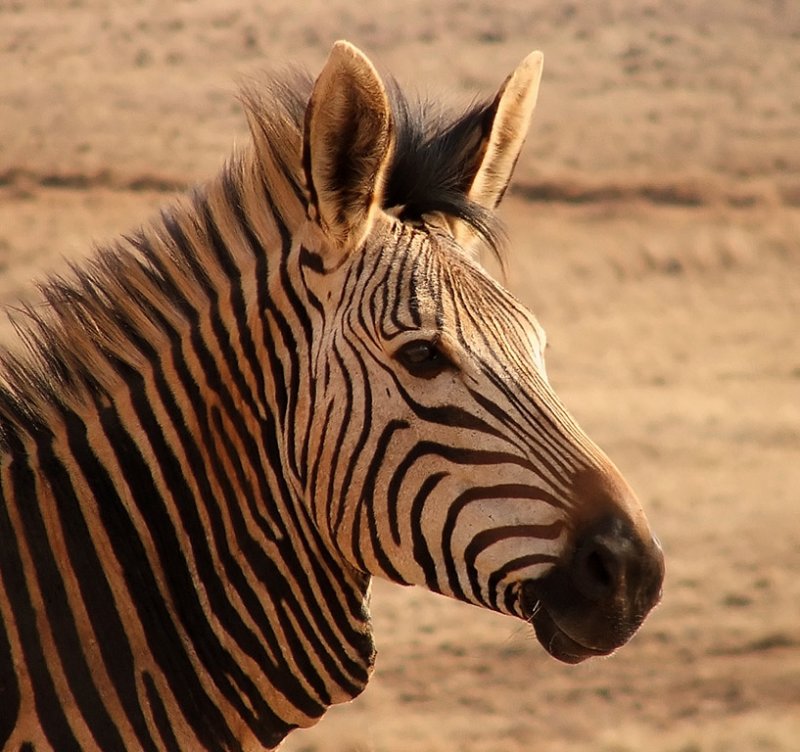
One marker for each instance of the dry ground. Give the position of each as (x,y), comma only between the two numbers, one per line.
(656,232)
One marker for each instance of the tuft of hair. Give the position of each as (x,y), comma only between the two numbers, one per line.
(434,162)
(101,319)
(432,165)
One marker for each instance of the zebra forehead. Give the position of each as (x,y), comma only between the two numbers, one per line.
(442,289)
(432,163)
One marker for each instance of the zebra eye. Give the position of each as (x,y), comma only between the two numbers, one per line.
(422,358)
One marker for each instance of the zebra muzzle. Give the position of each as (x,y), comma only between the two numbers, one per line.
(594,601)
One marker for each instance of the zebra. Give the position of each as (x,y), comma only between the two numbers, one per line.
(297,377)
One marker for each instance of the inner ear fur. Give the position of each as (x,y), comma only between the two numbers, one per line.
(508,121)
(347,146)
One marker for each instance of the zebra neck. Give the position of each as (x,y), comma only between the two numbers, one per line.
(298,624)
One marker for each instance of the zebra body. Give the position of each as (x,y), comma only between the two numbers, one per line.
(294,379)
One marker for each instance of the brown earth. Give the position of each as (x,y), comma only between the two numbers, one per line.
(655,230)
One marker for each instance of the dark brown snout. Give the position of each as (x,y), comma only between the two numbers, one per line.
(593,602)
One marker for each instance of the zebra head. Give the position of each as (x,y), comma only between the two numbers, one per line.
(437,453)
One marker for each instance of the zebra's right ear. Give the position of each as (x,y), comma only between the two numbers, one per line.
(347,145)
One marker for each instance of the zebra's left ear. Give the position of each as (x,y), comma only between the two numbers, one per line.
(347,145)
(507,122)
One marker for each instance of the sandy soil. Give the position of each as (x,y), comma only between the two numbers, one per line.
(654,225)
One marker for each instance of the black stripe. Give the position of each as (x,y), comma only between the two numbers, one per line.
(422,552)
(406,284)
(344,374)
(345,426)
(280,589)
(187,254)
(160,715)
(352,463)
(48,705)
(296,306)
(321,583)
(287,342)
(313,586)
(367,498)
(238,327)
(259,255)
(318,497)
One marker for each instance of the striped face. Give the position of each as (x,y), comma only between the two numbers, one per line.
(442,455)
(446,459)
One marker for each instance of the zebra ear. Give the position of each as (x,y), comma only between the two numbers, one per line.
(507,123)
(347,145)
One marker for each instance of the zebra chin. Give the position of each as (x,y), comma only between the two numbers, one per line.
(593,602)
(558,643)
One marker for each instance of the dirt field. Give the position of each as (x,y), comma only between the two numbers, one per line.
(655,229)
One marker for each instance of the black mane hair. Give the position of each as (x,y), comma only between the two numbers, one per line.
(434,162)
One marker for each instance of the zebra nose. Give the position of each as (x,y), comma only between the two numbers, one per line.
(612,562)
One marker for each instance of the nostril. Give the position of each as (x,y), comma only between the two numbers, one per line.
(596,571)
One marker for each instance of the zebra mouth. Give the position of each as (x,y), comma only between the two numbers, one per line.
(558,643)
(551,636)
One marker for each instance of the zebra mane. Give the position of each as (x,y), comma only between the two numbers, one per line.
(89,319)
(121,294)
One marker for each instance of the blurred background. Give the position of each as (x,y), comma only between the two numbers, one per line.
(655,231)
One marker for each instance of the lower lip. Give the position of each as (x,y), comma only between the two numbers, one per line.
(560,645)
